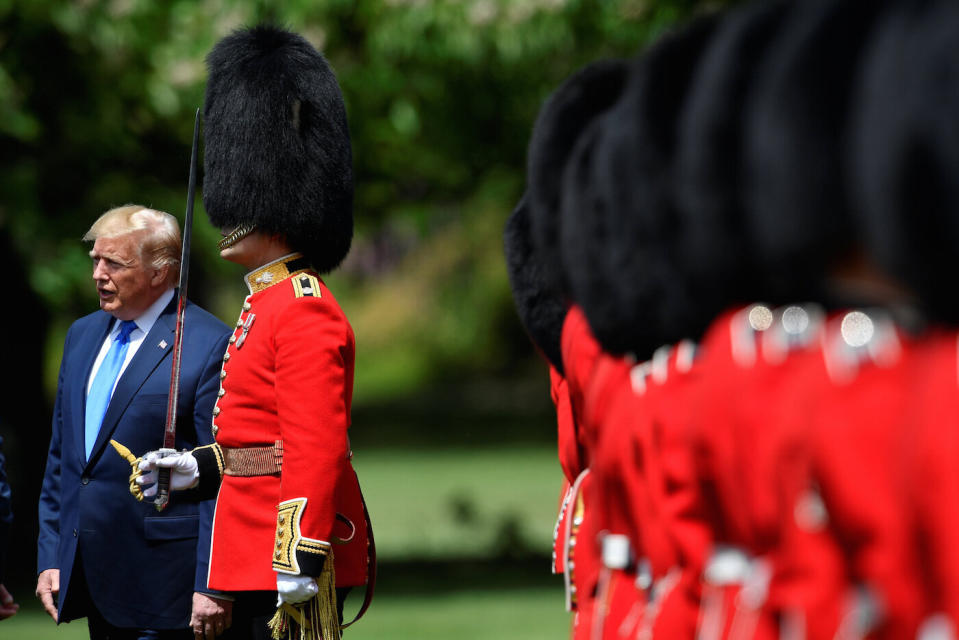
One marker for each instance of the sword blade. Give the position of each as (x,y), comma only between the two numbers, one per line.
(169,430)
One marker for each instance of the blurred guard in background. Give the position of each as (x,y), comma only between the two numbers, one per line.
(278,182)
(541,291)
(804,466)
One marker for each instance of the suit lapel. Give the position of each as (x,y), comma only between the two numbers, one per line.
(87,347)
(146,359)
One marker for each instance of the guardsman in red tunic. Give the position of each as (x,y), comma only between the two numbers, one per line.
(671,378)
(578,525)
(566,114)
(904,143)
(717,267)
(542,313)
(618,233)
(868,369)
(749,462)
(286,390)
(802,216)
(570,460)
(290,518)
(931,475)
(644,484)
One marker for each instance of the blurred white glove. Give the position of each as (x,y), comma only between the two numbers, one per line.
(294,589)
(184,473)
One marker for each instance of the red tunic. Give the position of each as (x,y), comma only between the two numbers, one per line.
(578,535)
(745,456)
(932,472)
(671,380)
(646,491)
(842,558)
(570,457)
(857,435)
(570,460)
(616,495)
(288,376)
(581,353)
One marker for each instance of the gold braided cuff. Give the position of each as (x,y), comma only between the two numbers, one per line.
(210,464)
(293,553)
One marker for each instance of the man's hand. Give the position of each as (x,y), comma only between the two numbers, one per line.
(184,473)
(295,589)
(48,588)
(7,606)
(211,616)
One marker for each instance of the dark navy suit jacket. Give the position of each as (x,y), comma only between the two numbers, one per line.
(141,566)
(6,513)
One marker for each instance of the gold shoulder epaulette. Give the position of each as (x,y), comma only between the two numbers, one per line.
(306,286)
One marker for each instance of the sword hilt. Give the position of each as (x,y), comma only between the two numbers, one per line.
(163,482)
(163,489)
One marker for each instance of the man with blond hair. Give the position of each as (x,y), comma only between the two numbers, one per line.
(97,548)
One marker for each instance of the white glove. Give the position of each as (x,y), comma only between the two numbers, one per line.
(184,473)
(294,589)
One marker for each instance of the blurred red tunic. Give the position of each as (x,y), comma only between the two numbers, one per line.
(619,494)
(570,460)
(932,472)
(857,436)
(745,460)
(673,380)
(578,535)
(646,490)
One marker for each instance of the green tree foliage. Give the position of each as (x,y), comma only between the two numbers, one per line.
(96,110)
(96,99)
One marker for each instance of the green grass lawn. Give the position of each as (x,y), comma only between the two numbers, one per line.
(530,614)
(527,614)
(463,537)
(460,502)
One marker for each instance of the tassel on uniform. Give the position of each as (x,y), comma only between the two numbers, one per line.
(317,618)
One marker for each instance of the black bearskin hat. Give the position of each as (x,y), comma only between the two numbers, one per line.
(905,153)
(277,144)
(540,308)
(619,228)
(564,116)
(795,180)
(715,248)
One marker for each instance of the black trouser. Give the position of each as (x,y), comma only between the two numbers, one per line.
(81,604)
(252,611)
(100,629)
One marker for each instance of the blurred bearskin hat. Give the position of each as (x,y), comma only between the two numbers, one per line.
(541,310)
(716,250)
(619,227)
(277,143)
(905,153)
(564,116)
(796,182)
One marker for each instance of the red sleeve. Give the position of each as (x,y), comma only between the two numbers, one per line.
(314,381)
(580,353)
(569,454)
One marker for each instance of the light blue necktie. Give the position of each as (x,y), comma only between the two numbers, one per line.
(102,388)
